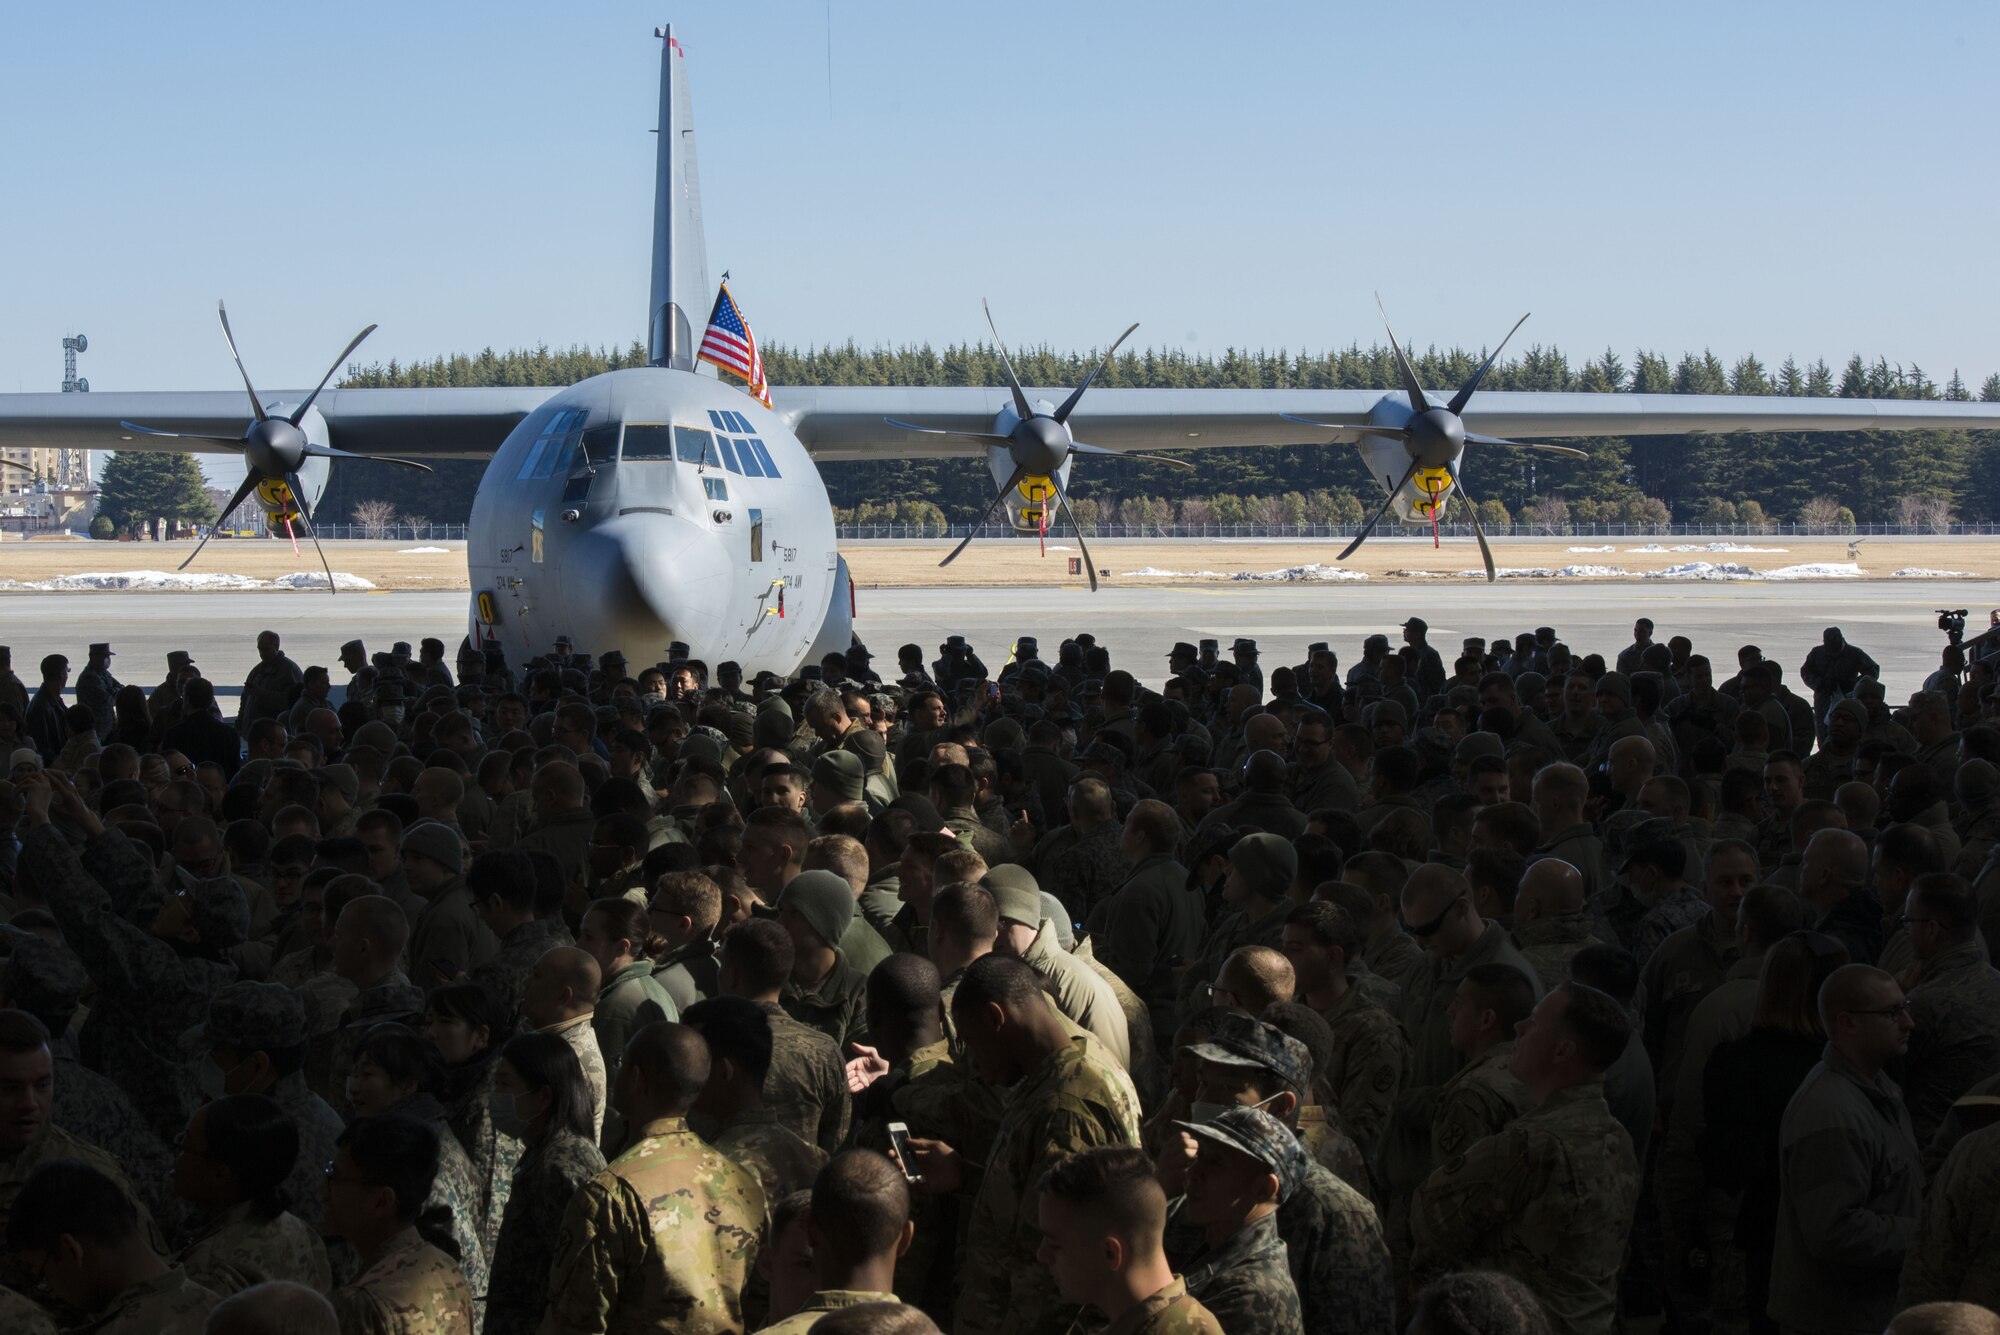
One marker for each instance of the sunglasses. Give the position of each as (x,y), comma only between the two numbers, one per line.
(1426,930)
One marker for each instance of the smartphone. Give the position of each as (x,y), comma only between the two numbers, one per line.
(899,1140)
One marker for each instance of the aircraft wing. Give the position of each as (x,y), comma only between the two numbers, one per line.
(847,421)
(449,423)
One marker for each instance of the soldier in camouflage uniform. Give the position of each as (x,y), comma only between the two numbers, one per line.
(368,941)
(156,958)
(807,1084)
(231,1169)
(1955,1256)
(47,981)
(81,1231)
(1365,1068)
(1064,1094)
(255,1038)
(18,1316)
(1099,1197)
(376,1188)
(558,999)
(732,1102)
(1954,1002)
(1484,1095)
(1549,1200)
(1552,920)
(1248,1164)
(538,1076)
(665,1236)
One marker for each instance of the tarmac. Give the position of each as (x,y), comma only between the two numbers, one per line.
(1894,621)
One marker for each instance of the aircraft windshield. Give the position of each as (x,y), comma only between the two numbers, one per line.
(648,442)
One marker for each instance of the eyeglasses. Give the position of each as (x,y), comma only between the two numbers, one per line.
(1895,1012)
(1423,931)
(1906,921)
(183,770)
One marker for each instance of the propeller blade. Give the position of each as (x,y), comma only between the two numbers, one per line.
(1069,404)
(1078,447)
(1458,400)
(312,530)
(256,405)
(941,431)
(1478,529)
(998,497)
(1474,438)
(1398,432)
(242,493)
(1381,510)
(1089,566)
(1021,407)
(299,415)
(328,452)
(1410,385)
(136,429)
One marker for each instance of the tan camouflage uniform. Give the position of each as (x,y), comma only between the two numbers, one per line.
(780,1161)
(1551,943)
(1478,1101)
(18,1316)
(817,1306)
(1078,1099)
(407,1288)
(241,1248)
(1366,1068)
(1548,1200)
(169,1305)
(1955,1256)
(662,1239)
(1955,1006)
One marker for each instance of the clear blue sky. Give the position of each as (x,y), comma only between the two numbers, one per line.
(1805,179)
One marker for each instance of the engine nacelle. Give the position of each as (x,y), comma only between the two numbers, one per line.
(1027,502)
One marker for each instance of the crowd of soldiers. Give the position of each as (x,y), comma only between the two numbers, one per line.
(1533,993)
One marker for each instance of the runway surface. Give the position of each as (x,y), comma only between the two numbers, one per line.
(1893,621)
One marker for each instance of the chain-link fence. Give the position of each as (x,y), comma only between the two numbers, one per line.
(1190,532)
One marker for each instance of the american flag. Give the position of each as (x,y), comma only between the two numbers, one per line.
(730,345)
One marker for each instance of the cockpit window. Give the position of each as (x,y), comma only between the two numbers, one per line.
(692,445)
(554,445)
(728,453)
(763,456)
(600,445)
(648,442)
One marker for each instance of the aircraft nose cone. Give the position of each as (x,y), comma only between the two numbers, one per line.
(640,582)
(1040,445)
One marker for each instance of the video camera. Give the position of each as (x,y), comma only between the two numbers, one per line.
(1952,622)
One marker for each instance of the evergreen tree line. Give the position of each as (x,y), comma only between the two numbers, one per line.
(1746,477)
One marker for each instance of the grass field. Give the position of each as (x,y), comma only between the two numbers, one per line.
(392,565)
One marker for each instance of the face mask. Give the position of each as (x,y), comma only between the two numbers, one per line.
(212,1079)
(507,1117)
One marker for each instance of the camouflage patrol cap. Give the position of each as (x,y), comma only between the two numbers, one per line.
(41,977)
(1254,1132)
(1647,836)
(1240,1040)
(250,1017)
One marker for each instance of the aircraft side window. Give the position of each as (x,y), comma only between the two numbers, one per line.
(648,442)
(600,445)
(756,535)
(716,488)
(764,458)
(748,458)
(743,426)
(692,445)
(577,489)
(720,421)
(728,453)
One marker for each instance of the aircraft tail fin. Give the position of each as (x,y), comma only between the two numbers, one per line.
(678,312)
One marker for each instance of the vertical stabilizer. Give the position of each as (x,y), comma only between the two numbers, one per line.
(678,310)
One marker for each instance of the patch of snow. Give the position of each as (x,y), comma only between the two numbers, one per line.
(316,579)
(420,551)
(1593,549)
(1306,574)
(1698,547)
(1924,572)
(1649,547)
(1817,570)
(1703,570)
(1412,574)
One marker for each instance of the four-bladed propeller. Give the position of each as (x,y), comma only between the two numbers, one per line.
(273,448)
(1039,444)
(1434,437)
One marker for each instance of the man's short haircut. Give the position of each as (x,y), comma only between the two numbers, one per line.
(860,1202)
(1612,970)
(1507,989)
(382,920)
(1514,824)
(1949,902)
(1498,870)
(760,952)
(396,1151)
(967,911)
(691,895)
(21,1032)
(1155,822)
(1599,1025)
(1270,972)
(1114,1185)
(840,854)
(273,1306)
(506,874)
(1298,1020)
(1479,1302)
(1912,849)
(68,1196)
(995,980)
(882,1318)
(1330,925)
(1377,873)
(673,1061)
(1770,913)
(905,984)
(960,864)
(735,1029)
(1944,1318)
(778,824)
